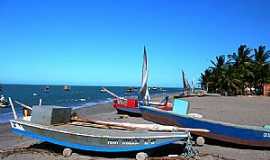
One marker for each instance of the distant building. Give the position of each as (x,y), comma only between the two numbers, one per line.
(266,89)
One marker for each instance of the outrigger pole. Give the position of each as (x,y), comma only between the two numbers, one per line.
(113,94)
(23,105)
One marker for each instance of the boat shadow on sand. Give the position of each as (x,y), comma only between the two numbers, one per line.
(157,152)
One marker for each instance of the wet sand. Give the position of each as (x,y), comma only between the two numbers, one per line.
(239,110)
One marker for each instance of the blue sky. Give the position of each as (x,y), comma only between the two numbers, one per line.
(100,42)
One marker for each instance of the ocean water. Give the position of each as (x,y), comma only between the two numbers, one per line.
(78,96)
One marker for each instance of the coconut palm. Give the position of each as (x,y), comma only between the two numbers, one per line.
(242,63)
(261,69)
(229,82)
(205,79)
(243,69)
(218,70)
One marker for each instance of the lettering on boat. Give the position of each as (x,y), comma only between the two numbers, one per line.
(123,141)
(150,141)
(112,142)
(266,135)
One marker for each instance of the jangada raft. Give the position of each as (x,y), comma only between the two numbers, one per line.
(53,124)
(227,132)
(130,106)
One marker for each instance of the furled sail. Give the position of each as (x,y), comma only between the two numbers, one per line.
(144,93)
(185,82)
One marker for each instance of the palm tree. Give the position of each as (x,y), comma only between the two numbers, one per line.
(229,81)
(205,79)
(242,57)
(261,69)
(217,70)
(242,63)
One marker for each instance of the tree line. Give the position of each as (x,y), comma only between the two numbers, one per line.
(232,74)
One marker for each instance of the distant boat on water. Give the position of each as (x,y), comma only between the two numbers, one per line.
(67,88)
(3,102)
(102,90)
(47,88)
(153,88)
(132,89)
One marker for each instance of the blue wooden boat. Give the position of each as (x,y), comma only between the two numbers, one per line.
(53,124)
(227,132)
(91,138)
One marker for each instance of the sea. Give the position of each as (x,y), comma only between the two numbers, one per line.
(76,97)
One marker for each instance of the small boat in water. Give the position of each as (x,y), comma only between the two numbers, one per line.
(222,131)
(3,102)
(131,89)
(53,124)
(67,88)
(47,89)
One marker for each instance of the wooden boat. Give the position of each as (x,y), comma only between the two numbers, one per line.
(95,139)
(130,106)
(53,124)
(227,132)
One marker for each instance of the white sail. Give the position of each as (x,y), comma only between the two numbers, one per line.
(144,93)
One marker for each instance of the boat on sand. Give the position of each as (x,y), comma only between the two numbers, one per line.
(130,106)
(257,136)
(53,124)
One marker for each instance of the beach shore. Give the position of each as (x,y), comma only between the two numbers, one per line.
(239,110)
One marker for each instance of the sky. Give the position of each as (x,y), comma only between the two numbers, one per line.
(100,42)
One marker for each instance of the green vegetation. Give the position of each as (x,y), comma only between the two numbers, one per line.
(232,74)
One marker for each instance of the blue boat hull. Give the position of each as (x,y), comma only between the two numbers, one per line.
(227,132)
(97,142)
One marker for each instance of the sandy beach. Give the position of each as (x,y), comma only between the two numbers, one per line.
(239,110)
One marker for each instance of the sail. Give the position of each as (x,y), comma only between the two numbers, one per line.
(185,82)
(144,93)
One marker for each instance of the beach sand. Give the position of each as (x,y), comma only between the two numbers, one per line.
(239,110)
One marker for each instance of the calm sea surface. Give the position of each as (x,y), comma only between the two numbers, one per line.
(78,96)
